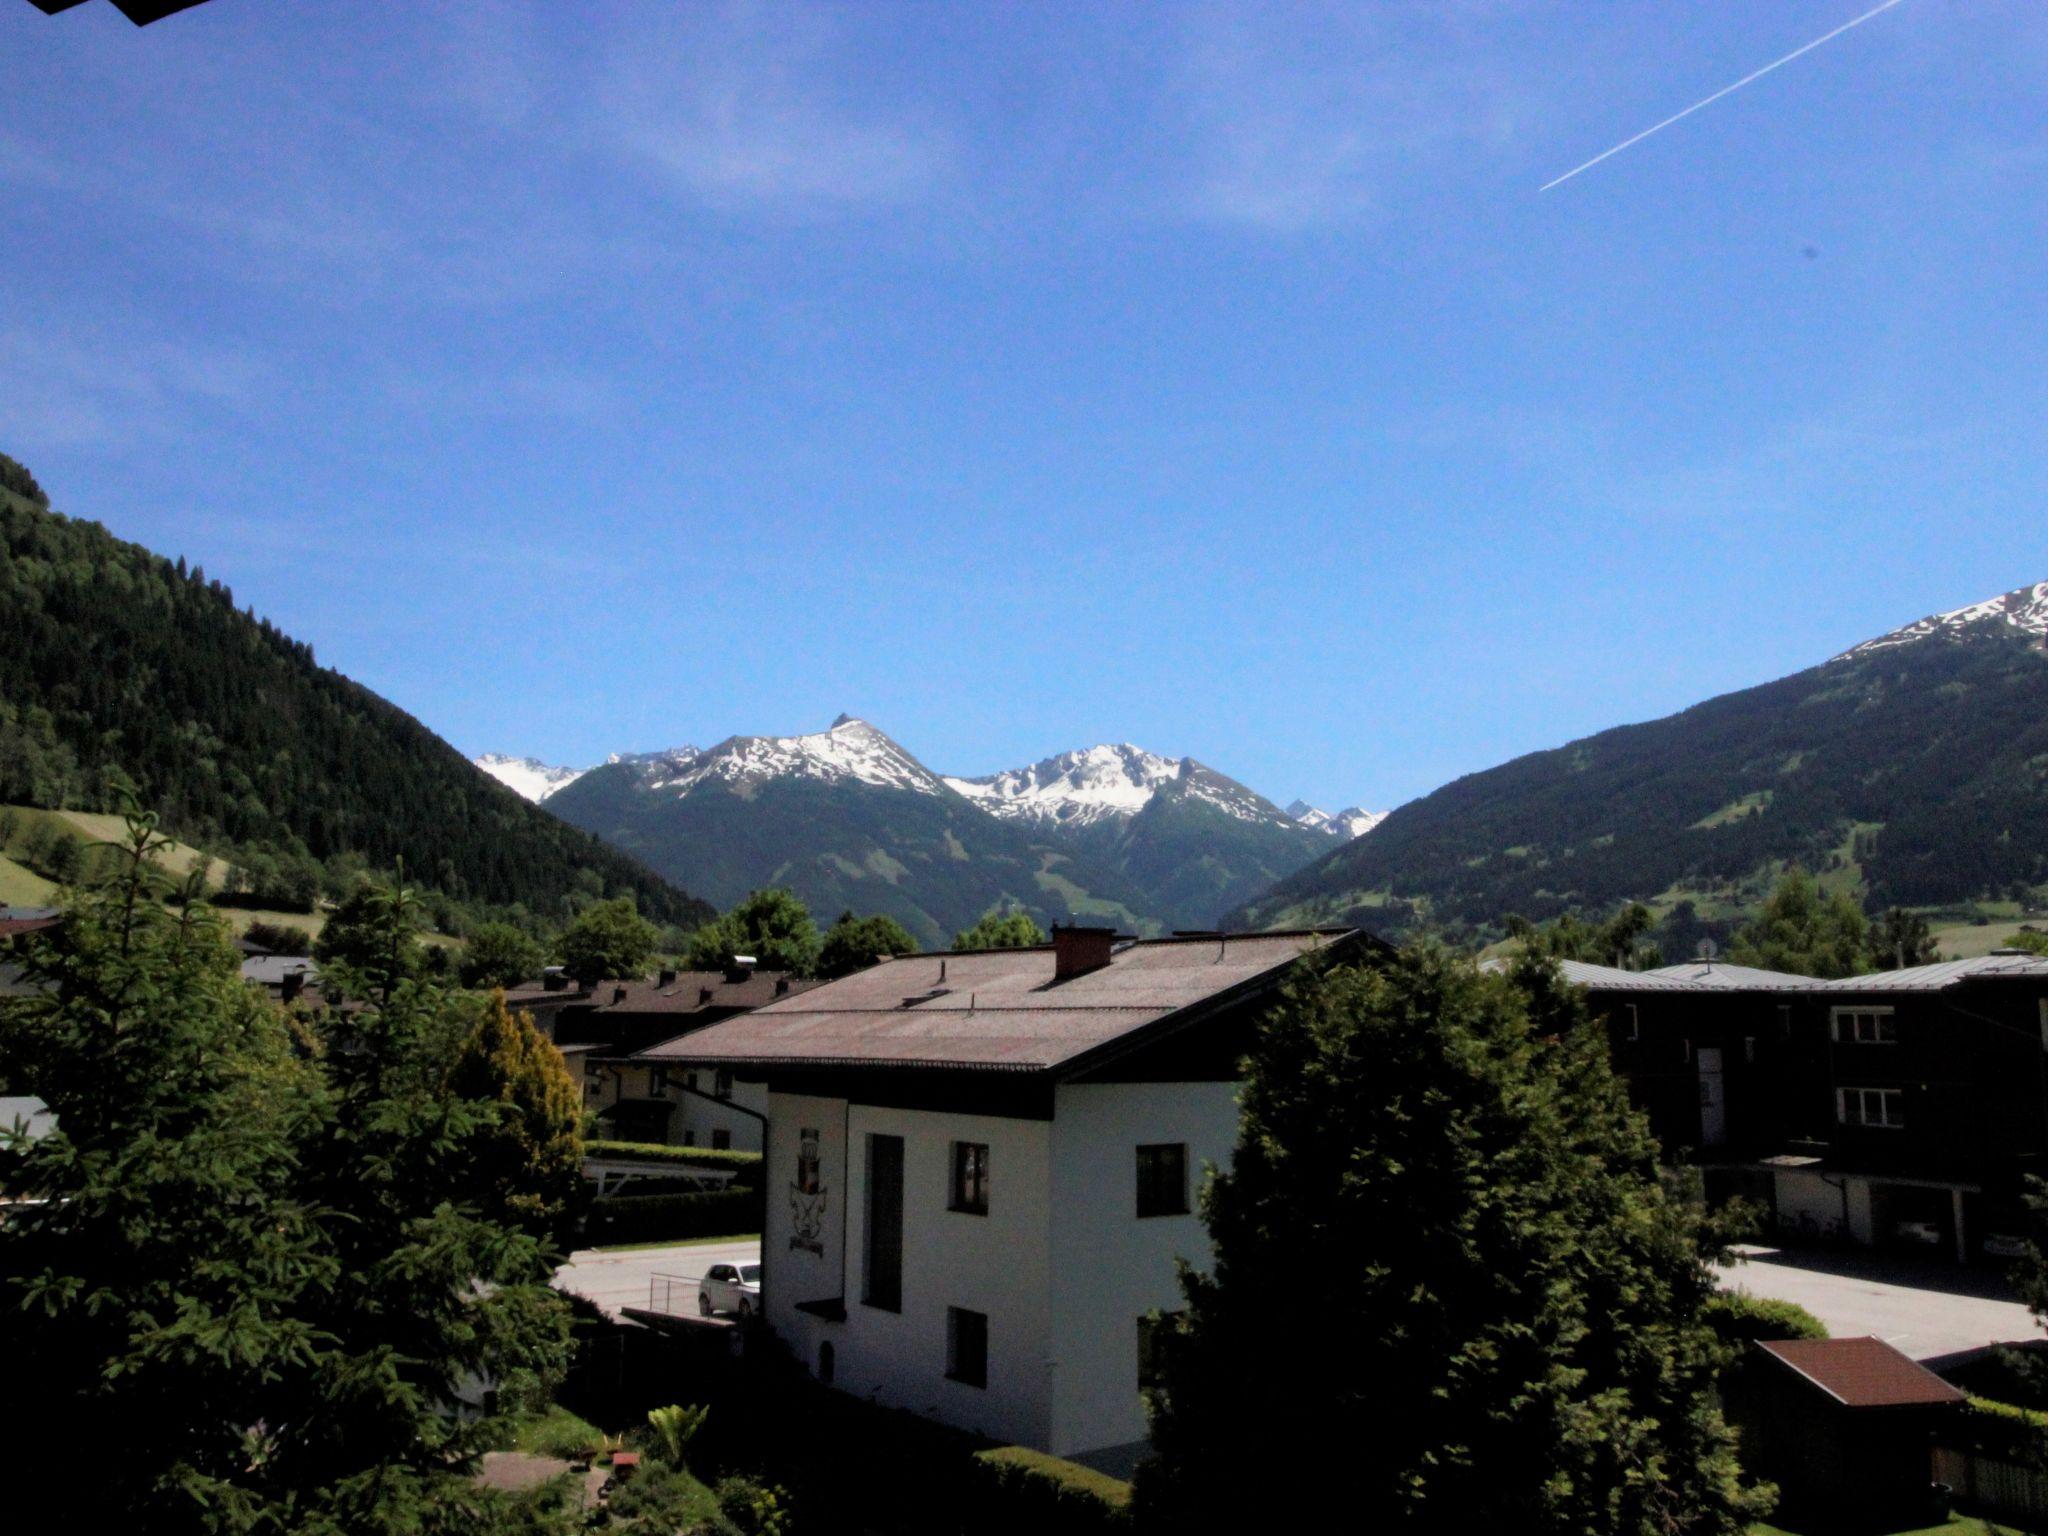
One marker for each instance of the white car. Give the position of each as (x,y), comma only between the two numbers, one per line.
(730,1288)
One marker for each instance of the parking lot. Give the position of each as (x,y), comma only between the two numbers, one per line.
(661,1279)
(1926,1310)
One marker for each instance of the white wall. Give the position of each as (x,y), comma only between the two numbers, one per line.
(1110,1267)
(703,1116)
(994,1264)
(794,1274)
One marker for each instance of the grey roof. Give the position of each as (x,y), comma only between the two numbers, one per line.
(998,1009)
(2009,965)
(1733,978)
(271,970)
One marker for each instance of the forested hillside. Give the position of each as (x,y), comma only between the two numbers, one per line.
(1913,770)
(119,663)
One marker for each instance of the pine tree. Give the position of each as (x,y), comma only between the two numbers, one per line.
(153,1276)
(1438,1174)
(526,1170)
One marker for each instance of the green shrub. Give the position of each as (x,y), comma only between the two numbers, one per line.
(746,1166)
(754,1508)
(674,1218)
(1029,1491)
(1739,1318)
(558,1432)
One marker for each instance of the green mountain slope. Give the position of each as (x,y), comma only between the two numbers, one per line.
(118,661)
(1913,769)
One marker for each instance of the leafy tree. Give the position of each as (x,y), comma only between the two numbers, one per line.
(608,939)
(2030,939)
(855,943)
(500,955)
(1620,941)
(1805,930)
(1901,938)
(772,925)
(1001,930)
(1441,1169)
(526,1170)
(151,1276)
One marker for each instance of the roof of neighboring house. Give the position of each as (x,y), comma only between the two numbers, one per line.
(692,991)
(1862,1373)
(1999,965)
(271,970)
(1733,978)
(15,920)
(997,1009)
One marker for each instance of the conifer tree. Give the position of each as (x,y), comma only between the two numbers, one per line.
(1439,1183)
(526,1169)
(152,1275)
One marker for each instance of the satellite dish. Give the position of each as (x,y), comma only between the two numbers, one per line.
(1708,949)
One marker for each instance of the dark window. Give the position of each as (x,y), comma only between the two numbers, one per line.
(721,1141)
(689,1138)
(1635,1022)
(884,1278)
(827,1361)
(1163,1179)
(970,1178)
(721,1085)
(967,1346)
(1155,1338)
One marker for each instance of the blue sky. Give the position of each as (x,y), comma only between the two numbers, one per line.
(606,377)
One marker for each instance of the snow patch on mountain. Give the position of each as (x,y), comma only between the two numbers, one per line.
(2024,609)
(527,777)
(1345,825)
(850,751)
(1074,789)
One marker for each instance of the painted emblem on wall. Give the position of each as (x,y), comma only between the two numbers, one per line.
(807,1197)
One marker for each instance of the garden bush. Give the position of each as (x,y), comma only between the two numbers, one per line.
(1739,1318)
(745,1166)
(674,1218)
(1029,1491)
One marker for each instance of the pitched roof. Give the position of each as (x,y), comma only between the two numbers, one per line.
(1862,1373)
(271,970)
(996,1009)
(690,991)
(1939,977)
(1721,975)
(15,920)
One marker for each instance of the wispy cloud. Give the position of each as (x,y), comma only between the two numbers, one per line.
(121,392)
(1316,116)
(760,107)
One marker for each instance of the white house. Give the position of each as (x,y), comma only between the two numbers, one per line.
(982,1167)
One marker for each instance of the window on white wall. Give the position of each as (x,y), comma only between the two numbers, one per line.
(1877,1107)
(1865,1026)
(969,1191)
(967,1346)
(1163,1179)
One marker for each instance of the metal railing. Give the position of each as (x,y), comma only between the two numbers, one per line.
(661,1292)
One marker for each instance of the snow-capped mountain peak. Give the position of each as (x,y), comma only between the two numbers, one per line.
(1074,788)
(527,776)
(1346,824)
(2023,610)
(849,750)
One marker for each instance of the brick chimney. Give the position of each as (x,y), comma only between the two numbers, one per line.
(1076,950)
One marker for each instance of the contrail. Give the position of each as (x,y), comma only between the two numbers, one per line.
(1724,91)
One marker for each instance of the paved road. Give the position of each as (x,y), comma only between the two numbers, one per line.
(615,1280)
(1925,1310)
